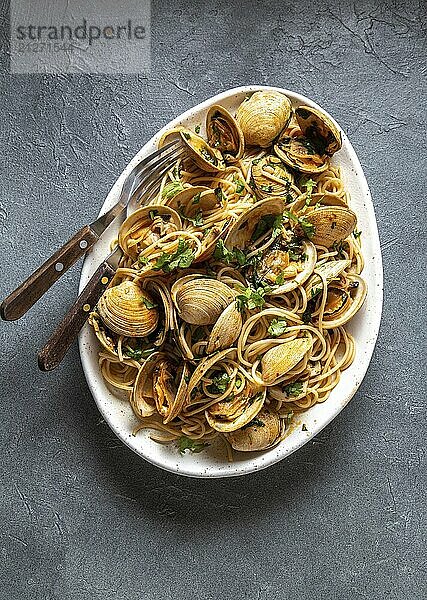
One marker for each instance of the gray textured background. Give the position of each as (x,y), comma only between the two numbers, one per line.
(83,517)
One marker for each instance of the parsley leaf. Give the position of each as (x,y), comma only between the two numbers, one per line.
(309,185)
(143,260)
(197,220)
(219,384)
(356,234)
(303,226)
(171,189)
(185,443)
(197,129)
(251,298)
(148,303)
(182,257)
(240,186)
(222,253)
(273,222)
(137,353)
(277,327)
(293,389)
(196,198)
(254,423)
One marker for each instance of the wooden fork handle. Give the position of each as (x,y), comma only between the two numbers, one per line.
(59,342)
(33,288)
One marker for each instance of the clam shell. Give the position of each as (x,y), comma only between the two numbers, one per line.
(358,297)
(207,158)
(324,199)
(315,125)
(123,309)
(292,150)
(154,390)
(203,367)
(226,330)
(309,264)
(248,411)
(241,231)
(200,300)
(330,270)
(266,171)
(280,359)
(136,232)
(266,432)
(192,199)
(332,224)
(263,116)
(224,133)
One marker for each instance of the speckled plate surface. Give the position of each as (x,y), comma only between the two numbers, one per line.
(212,462)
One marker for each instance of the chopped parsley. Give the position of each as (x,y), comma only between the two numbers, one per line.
(229,256)
(273,222)
(219,384)
(356,234)
(186,135)
(171,189)
(304,427)
(219,193)
(185,443)
(303,226)
(148,303)
(197,220)
(153,214)
(181,258)
(250,298)
(277,327)
(143,260)
(254,423)
(309,184)
(197,129)
(196,198)
(339,248)
(240,186)
(293,389)
(137,353)
(288,418)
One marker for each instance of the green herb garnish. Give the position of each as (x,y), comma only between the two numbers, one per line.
(254,423)
(197,129)
(171,189)
(277,327)
(196,198)
(304,427)
(181,258)
(138,353)
(250,298)
(148,303)
(293,389)
(356,234)
(153,214)
(219,384)
(185,443)
(143,260)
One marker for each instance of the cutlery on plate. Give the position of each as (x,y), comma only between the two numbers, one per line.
(52,353)
(147,171)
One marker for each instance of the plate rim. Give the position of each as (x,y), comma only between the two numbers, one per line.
(240,469)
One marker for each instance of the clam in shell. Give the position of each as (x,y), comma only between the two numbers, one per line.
(264,431)
(236,411)
(263,116)
(207,158)
(318,127)
(270,177)
(160,386)
(128,310)
(330,270)
(226,330)
(200,300)
(344,301)
(280,359)
(331,224)
(224,133)
(146,226)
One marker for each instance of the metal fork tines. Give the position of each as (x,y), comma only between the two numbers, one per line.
(146,174)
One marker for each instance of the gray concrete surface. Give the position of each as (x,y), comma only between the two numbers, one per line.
(83,517)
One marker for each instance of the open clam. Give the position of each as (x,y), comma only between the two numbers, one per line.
(331,224)
(160,386)
(330,270)
(263,116)
(319,128)
(226,329)
(236,410)
(264,431)
(344,301)
(309,152)
(242,231)
(146,226)
(280,359)
(128,310)
(200,300)
(207,158)
(270,177)
(224,133)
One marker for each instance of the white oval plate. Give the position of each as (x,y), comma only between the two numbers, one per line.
(212,462)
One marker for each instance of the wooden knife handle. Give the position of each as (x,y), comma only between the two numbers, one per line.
(56,347)
(33,288)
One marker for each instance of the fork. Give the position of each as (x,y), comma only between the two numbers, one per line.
(147,171)
(54,350)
